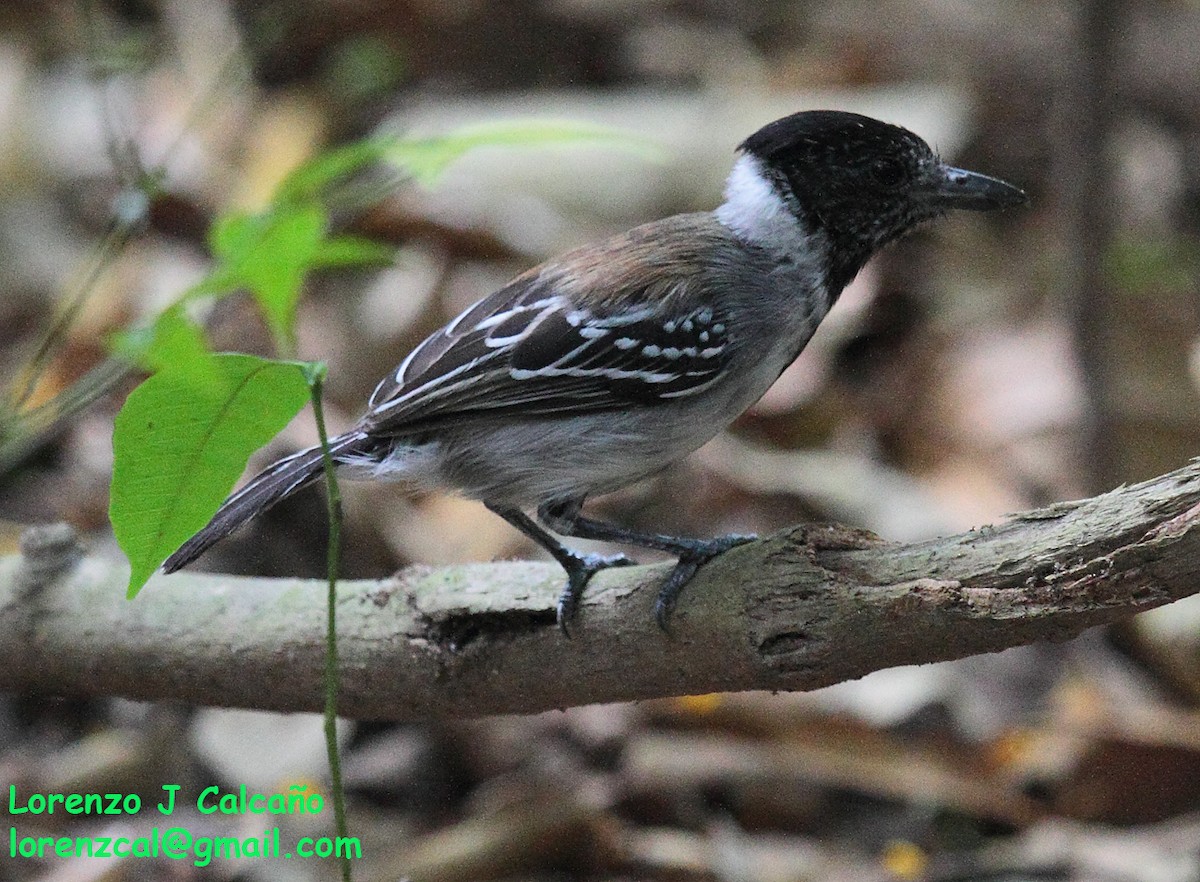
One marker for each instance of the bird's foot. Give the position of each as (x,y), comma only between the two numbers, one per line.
(580,569)
(697,555)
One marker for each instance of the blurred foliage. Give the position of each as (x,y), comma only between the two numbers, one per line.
(1161,263)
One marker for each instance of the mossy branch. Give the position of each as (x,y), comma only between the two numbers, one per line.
(808,607)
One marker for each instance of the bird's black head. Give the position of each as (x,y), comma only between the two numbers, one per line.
(863,182)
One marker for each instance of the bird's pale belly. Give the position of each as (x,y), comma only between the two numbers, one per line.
(526,464)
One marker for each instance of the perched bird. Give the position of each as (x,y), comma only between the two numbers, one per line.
(603,366)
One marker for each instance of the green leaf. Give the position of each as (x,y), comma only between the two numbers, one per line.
(348,250)
(180,442)
(218,282)
(268,254)
(426,158)
(233,234)
(311,180)
(275,270)
(172,340)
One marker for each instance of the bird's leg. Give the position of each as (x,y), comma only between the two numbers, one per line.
(579,567)
(563,516)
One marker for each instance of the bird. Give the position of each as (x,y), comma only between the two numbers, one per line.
(605,365)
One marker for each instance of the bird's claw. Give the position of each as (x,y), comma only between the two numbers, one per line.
(578,575)
(688,565)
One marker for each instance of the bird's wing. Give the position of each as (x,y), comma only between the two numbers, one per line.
(536,348)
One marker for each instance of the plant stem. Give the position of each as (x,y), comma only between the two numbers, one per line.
(333,558)
(109,249)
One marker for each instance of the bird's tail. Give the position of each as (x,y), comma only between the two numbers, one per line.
(278,481)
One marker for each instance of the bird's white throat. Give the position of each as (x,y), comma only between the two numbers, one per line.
(755,211)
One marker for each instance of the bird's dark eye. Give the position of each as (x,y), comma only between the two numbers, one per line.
(887,171)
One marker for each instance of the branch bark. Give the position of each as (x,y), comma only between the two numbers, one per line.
(811,606)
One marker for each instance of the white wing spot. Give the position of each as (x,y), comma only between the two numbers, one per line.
(651,351)
(610,373)
(625,342)
(629,318)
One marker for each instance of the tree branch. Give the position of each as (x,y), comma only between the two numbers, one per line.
(811,606)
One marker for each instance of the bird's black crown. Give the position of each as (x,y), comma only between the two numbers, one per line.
(862,182)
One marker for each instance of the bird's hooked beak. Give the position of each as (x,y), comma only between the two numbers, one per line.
(950,187)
